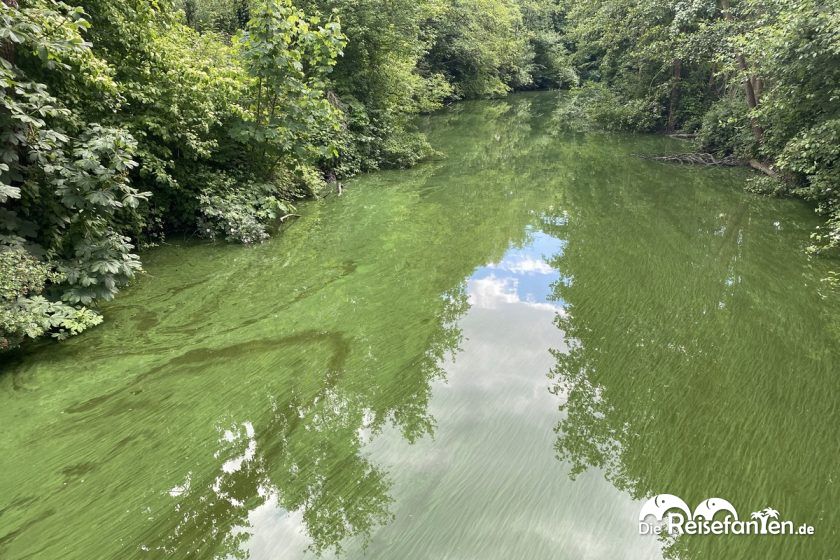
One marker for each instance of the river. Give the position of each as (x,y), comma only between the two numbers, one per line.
(498,354)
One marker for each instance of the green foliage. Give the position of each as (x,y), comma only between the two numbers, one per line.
(24,312)
(289,56)
(406,57)
(224,16)
(765,185)
(603,107)
(481,47)
(756,78)
(552,65)
(405,149)
(238,214)
(797,49)
(65,182)
(381,82)
(813,155)
(725,128)
(120,123)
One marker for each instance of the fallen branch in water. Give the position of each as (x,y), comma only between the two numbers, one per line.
(695,158)
(283,218)
(683,135)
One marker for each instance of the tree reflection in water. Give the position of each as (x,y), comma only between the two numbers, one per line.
(306,462)
(692,368)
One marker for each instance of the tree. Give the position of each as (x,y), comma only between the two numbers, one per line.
(289,56)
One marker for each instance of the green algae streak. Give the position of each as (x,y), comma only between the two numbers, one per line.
(496,355)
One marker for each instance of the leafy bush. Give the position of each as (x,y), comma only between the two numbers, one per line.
(814,155)
(593,105)
(240,214)
(725,129)
(24,312)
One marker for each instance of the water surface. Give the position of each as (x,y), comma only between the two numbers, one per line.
(498,354)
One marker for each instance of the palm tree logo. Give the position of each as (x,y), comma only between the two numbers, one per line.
(764,515)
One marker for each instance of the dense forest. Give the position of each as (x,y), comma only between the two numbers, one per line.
(123,121)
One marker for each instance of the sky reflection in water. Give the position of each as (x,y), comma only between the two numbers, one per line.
(490,464)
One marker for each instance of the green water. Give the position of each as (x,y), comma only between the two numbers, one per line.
(496,355)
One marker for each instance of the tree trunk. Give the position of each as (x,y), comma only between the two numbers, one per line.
(758,85)
(749,81)
(675,96)
(752,98)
